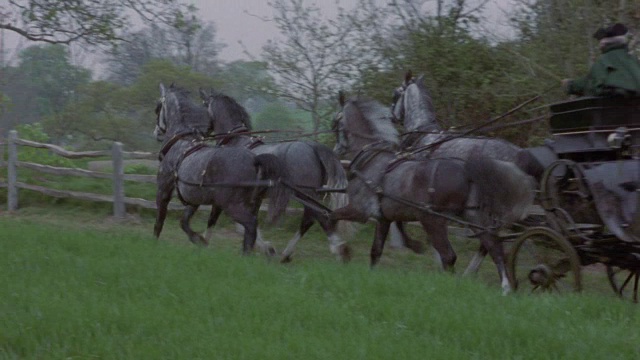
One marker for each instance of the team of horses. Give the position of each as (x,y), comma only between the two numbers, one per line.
(425,175)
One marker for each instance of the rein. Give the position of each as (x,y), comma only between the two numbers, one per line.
(475,129)
(177,137)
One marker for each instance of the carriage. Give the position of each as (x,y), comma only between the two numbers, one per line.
(590,196)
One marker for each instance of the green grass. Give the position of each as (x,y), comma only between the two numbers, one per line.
(74,285)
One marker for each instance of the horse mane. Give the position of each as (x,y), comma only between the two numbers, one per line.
(190,112)
(378,118)
(237,111)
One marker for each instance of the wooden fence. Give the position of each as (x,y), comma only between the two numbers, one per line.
(118,176)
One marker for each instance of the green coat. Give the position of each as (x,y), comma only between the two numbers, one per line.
(616,72)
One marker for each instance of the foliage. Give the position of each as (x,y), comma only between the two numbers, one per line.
(92,22)
(113,291)
(189,43)
(41,85)
(104,112)
(249,82)
(35,132)
(275,116)
(141,169)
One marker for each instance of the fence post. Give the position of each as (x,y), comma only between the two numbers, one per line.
(118,181)
(12,176)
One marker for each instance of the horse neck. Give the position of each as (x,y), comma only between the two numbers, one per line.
(375,156)
(419,114)
(223,123)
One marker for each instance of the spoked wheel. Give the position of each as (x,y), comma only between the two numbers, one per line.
(541,260)
(560,178)
(624,282)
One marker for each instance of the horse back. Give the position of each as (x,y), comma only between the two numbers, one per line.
(300,160)
(438,184)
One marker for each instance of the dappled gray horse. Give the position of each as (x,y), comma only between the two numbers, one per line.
(231,180)
(388,186)
(413,108)
(311,166)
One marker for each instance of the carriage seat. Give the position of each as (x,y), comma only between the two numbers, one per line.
(585,129)
(592,113)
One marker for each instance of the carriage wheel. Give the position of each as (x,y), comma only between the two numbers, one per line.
(624,282)
(550,184)
(541,260)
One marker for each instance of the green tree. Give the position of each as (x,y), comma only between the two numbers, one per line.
(188,43)
(104,112)
(42,83)
(94,22)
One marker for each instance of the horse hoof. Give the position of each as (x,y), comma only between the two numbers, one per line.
(285,259)
(345,253)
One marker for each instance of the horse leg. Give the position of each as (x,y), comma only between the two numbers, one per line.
(382,230)
(475,262)
(265,247)
(194,237)
(305,224)
(436,229)
(162,203)
(248,218)
(336,244)
(414,245)
(494,246)
(349,213)
(213,219)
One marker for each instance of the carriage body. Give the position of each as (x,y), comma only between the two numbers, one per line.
(590,189)
(599,140)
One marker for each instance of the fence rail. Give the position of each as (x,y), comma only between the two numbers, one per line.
(118,177)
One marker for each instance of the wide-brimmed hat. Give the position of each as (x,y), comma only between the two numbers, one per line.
(611,31)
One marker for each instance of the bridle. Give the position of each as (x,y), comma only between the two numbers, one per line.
(398,94)
(161,128)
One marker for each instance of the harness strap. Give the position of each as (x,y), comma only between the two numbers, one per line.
(167,145)
(188,152)
(426,208)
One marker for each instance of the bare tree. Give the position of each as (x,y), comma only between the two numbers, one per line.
(313,59)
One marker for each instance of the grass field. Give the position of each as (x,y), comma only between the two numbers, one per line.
(75,284)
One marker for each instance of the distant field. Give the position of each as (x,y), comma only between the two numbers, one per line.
(75,285)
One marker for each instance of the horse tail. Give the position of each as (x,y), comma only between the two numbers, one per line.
(272,168)
(504,191)
(335,177)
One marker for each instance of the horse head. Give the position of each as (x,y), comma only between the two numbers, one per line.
(177,113)
(361,122)
(412,105)
(225,113)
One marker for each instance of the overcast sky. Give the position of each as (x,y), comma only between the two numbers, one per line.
(243,20)
(234,22)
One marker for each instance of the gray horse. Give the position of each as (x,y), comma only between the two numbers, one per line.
(390,187)
(413,108)
(231,180)
(311,165)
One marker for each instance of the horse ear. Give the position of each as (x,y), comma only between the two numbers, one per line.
(203,95)
(162,90)
(341,98)
(420,78)
(408,76)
